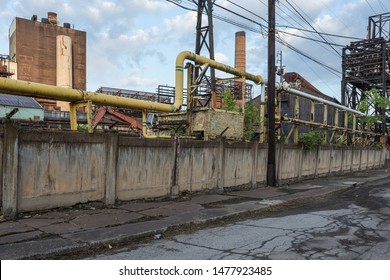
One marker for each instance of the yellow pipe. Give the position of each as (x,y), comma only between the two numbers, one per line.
(212,63)
(144,129)
(24,88)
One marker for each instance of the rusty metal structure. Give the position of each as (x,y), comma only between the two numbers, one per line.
(4,71)
(78,98)
(205,41)
(366,65)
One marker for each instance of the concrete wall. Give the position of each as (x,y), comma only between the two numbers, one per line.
(199,164)
(43,170)
(144,168)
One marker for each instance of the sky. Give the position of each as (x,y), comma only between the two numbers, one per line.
(133,44)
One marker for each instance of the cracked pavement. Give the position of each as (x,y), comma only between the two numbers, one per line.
(351,225)
(346,225)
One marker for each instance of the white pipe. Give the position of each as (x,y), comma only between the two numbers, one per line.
(287,87)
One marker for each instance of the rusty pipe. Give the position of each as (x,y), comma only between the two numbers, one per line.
(25,88)
(212,63)
(144,129)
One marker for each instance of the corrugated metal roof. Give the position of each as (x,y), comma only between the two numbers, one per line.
(18,101)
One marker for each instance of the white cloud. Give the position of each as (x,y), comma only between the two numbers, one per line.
(220,57)
(135,81)
(183,23)
(141,39)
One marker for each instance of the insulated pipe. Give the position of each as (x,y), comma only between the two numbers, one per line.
(24,88)
(144,129)
(287,87)
(212,63)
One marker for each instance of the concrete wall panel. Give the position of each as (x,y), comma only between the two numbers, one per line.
(324,160)
(198,166)
(238,164)
(308,163)
(289,162)
(356,157)
(347,160)
(336,160)
(56,173)
(371,158)
(262,156)
(144,169)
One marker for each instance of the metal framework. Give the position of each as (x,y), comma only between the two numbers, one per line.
(365,65)
(4,72)
(205,40)
(379,26)
(343,129)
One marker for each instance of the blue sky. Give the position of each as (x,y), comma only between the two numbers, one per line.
(133,44)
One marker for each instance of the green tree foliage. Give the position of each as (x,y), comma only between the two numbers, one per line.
(251,116)
(229,101)
(373,99)
(311,140)
(251,120)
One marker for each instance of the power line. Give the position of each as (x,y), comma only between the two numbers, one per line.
(318,76)
(311,39)
(382,6)
(368,3)
(303,27)
(177,3)
(323,33)
(261,31)
(327,67)
(247,11)
(310,25)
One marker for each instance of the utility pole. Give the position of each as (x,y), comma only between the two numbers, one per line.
(271,164)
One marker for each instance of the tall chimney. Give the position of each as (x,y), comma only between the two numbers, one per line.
(240,63)
(240,56)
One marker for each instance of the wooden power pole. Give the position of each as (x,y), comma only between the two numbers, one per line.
(271,164)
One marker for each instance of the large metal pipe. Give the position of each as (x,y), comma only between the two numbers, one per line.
(212,63)
(287,87)
(25,88)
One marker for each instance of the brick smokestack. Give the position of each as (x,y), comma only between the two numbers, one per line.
(240,63)
(240,55)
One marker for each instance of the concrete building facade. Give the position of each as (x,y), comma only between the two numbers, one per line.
(34,47)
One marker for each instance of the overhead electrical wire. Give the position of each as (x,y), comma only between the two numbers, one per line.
(303,27)
(323,33)
(383,6)
(304,18)
(307,38)
(327,67)
(245,9)
(177,3)
(262,29)
(372,9)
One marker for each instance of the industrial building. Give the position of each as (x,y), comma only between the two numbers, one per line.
(48,53)
(20,108)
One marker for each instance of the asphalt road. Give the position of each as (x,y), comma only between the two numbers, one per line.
(351,225)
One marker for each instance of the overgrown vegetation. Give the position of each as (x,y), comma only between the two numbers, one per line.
(82,128)
(373,99)
(251,114)
(310,140)
(229,101)
(251,120)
